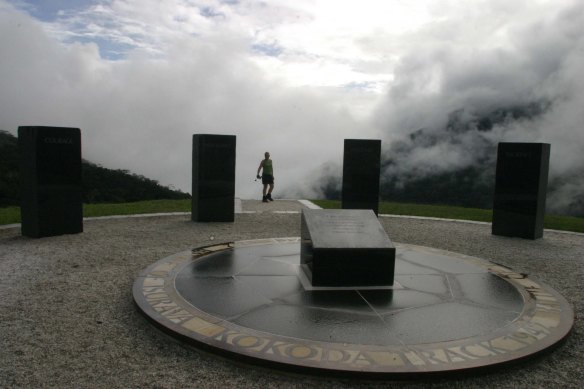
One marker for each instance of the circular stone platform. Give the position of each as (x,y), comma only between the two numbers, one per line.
(446,312)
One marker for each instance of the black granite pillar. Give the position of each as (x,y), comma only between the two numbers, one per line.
(361,168)
(520,189)
(50,177)
(213,178)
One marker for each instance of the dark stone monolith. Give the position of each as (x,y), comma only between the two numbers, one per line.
(341,247)
(361,168)
(213,178)
(50,177)
(520,189)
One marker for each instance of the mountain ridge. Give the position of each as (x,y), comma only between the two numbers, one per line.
(100,185)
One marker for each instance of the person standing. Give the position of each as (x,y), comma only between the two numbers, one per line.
(267,177)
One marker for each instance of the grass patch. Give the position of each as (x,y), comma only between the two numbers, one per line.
(565,223)
(11,215)
(554,222)
(139,207)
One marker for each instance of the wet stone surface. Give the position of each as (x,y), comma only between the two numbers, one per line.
(440,299)
(445,311)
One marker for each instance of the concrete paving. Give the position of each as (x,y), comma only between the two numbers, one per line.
(67,318)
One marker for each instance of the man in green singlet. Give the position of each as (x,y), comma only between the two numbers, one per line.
(267,177)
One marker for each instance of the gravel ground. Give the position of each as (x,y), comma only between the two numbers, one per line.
(67,318)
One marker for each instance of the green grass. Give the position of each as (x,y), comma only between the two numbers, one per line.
(139,207)
(11,215)
(441,211)
(554,222)
(565,223)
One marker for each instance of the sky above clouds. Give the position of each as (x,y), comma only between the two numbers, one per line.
(293,77)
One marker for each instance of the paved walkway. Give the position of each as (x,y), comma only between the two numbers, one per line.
(241,206)
(67,318)
(279,206)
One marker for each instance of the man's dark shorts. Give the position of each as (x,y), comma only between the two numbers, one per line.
(267,179)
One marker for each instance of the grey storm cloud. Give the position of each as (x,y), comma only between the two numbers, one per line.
(449,105)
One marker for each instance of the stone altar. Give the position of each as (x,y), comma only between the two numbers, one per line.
(345,248)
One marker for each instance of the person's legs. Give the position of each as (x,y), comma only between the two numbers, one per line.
(268,181)
(269,195)
(265,197)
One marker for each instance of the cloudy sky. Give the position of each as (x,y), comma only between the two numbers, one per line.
(293,77)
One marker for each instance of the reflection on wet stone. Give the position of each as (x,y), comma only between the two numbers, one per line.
(433,283)
(490,291)
(255,287)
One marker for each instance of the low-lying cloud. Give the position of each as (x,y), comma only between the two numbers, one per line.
(454,97)
(457,77)
(140,113)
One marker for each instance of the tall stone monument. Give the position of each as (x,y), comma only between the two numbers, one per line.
(361,169)
(520,189)
(50,176)
(213,178)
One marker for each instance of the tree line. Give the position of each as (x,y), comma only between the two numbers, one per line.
(100,185)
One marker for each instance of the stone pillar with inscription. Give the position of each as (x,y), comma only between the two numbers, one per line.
(361,168)
(50,177)
(520,189)
(213,178)
(345,247)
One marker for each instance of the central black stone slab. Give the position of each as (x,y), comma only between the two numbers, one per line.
(345,247)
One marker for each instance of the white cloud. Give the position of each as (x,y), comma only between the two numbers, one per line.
(140,113)
(292,77)
(317,42)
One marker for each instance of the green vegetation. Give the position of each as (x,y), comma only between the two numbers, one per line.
(139,207)
(11,215)
(565,223)
(100,185)
(554,222)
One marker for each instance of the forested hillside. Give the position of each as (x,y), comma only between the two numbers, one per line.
(99,184)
